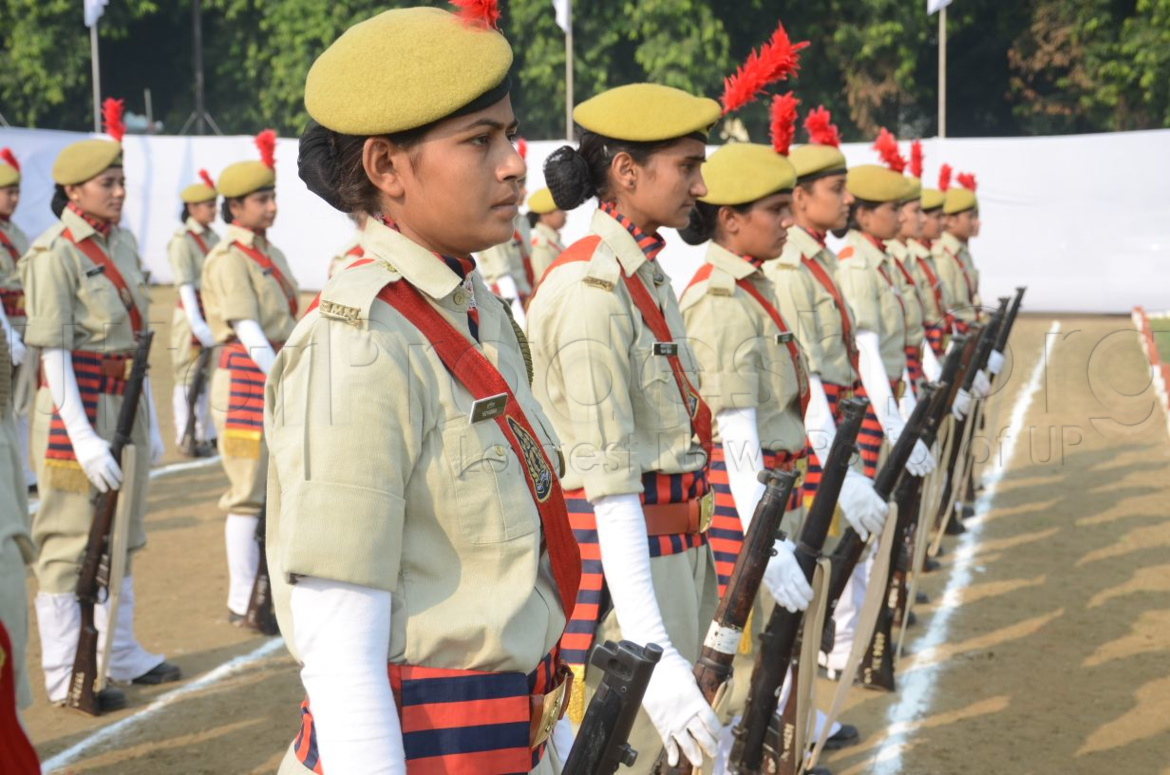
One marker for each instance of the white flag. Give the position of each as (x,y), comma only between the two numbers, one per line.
(934,6)
(564,18)
(94,10)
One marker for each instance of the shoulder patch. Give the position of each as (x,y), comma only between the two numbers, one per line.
(349,295)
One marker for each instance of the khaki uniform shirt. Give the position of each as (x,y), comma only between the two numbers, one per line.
(742,362)
(876,302)
(344,259)
(920,256)
(378,478)
(614,403)
(964,303)
(546,246)
(186,256)
(915,306)
(9,271)
(810,309)
(507,258)
(236,288)
(71,304)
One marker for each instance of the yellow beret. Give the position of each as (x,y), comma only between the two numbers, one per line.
(9,175)
(875,183)
(197,192)
(914,188)
(647,113)
(404,69)
(813,159)
(740,173)
(85,160)
(932,199)
(542,202)
(244,177)
(959,200)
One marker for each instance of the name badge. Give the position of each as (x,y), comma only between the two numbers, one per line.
(488,408)
(94,271)
(784,338)
(666,348)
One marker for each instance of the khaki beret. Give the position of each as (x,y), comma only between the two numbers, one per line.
(542,202)
(932,199)
(647,113)
(197,192)
(85,160)
(403,69)
(813,160)
(740,173)
(244,177)
(958,200)
(914,188)
(874,183)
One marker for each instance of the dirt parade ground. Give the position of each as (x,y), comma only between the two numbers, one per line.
(1045,647)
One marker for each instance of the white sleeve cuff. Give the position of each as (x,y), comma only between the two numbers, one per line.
(259,349)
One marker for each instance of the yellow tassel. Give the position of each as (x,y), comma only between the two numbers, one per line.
(745,640)
(576,710)
(241,444)
(66,476)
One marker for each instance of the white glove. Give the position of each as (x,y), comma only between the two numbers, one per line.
(982,385)
(921,460)
(864,509)
(157,448)
(961,405)
(678,711)
(818,418)
(682,717)
(16,348)
(92,451)
(995,362)
(785,579)
(907,402)
(930,365)
(256,343)
(199,328)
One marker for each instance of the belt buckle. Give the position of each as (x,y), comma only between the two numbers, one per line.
(552,709)
(126,369)
(706,510)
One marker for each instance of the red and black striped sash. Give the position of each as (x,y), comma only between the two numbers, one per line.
(95,254)
(456,722)
(97,374)
(812,478)
(936,338)
(914,366)
(270,267)
(244,422)
(869,439)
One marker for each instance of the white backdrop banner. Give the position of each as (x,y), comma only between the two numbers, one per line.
(1082,220)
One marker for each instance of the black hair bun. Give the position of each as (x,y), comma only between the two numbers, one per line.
(700,226)
(566,173)
(59,202)
(317,164)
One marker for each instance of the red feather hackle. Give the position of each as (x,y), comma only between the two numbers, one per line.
(522,148)
(7,157)
(944,177)
(966,180)
(777,59)
(112,118)
(205,176)
(783,122)
(916,159)
(266,142)
(478,13)
(887,147)
(821,130)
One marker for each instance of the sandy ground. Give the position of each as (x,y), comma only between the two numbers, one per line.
(1053,658)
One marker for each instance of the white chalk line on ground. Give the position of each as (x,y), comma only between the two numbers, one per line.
(226,670)
(155,473)
(917,689)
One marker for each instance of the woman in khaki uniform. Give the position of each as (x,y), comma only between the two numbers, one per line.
(13,245)
(190,334)
(87,303)
(250,297)
(925,271)
(615,375)
(952,257)
(352,250)
(412,493)
(546,220)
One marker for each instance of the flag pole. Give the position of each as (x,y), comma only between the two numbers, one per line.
(97,85)
(569,71)
(942,72)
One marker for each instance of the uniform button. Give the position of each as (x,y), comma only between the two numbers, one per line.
(459,297)
(498,449)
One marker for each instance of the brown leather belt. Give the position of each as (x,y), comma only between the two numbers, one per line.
(678,518)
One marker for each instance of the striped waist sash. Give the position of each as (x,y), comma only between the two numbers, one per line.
(13,301)
(834,394)
(914,365)
(243,427)
(936,336)
(465,722)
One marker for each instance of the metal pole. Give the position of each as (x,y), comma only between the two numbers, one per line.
(942,72)
(97,85)
(149,113)
(569,75)
(197,31)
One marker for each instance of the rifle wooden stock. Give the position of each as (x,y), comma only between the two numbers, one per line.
(260,615)
(197,387)
(601,745)
(95,562)
(731,616)
(778,641)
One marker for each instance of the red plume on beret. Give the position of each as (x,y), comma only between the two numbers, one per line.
(887,147)
(266,142)
(522,148)
(776,59)
(7,157)
(944,177)
(821,130)
(966,180)
(112,118)
(916,159)
(207,181)
(479,13)
(783,122)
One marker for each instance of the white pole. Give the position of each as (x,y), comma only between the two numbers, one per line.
(942,72)
(569,74)
(97,85)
